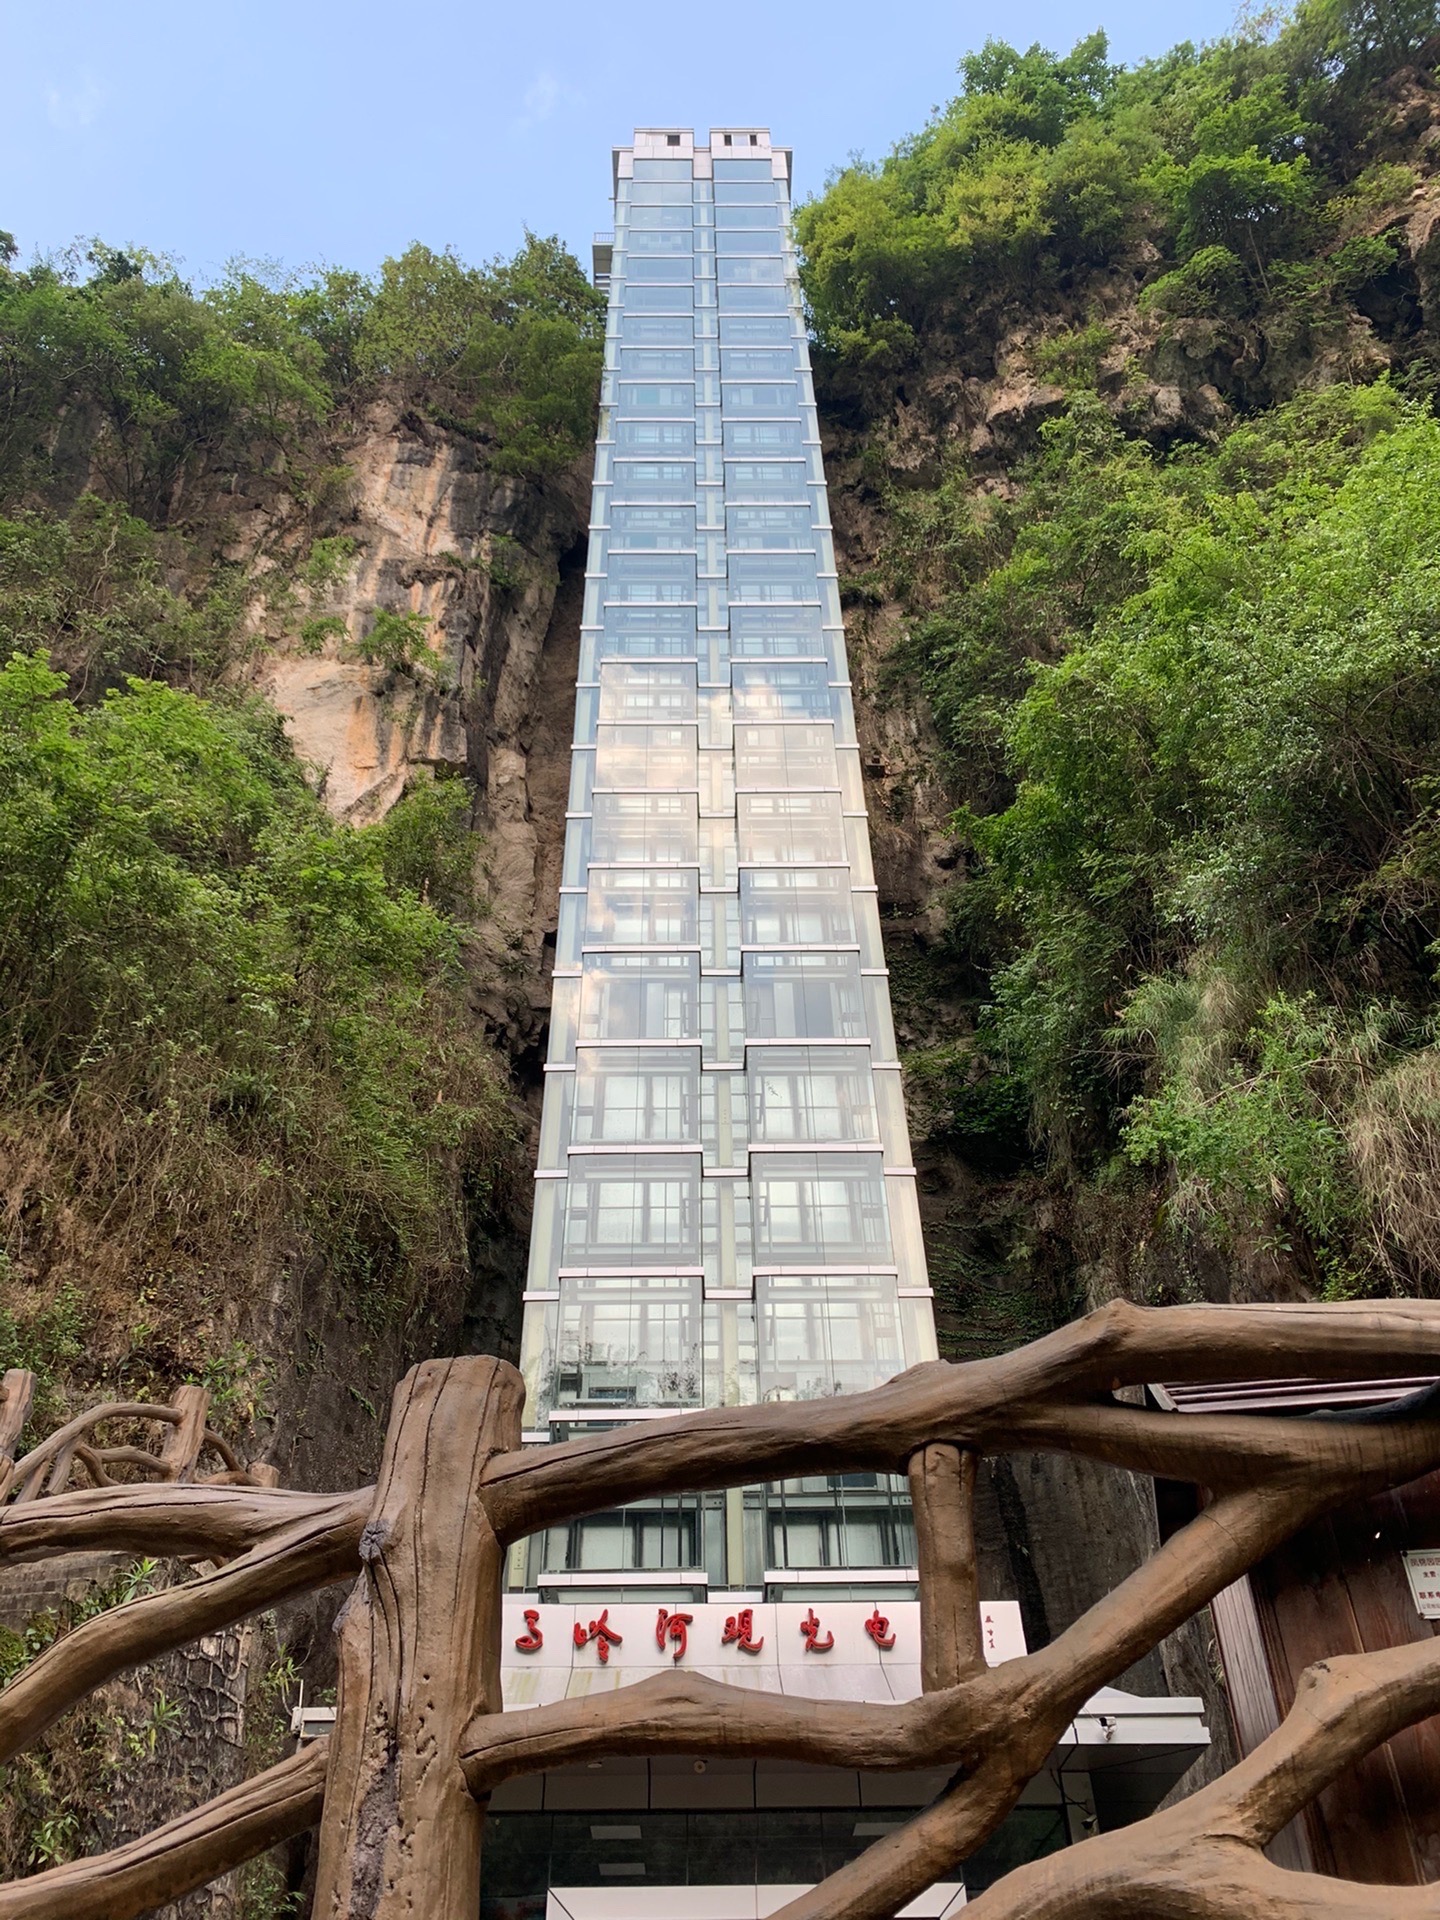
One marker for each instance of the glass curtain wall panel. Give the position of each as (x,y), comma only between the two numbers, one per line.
(725,1207)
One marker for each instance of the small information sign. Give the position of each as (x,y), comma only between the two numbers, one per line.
(1423,1571)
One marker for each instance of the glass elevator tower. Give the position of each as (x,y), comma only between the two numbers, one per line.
(725,1209)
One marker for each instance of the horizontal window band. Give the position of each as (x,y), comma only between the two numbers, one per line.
(629,1273)
(808,1040)
(814,1271)
(602,1149)
(815,1146)
(837,1576)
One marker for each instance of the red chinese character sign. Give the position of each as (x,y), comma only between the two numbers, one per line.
(740,1631)
(672,1628)
(602,1633)
(810,1629)
(532,1640)
(878,1628)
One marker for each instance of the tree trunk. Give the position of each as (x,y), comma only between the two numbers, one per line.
(419,1655)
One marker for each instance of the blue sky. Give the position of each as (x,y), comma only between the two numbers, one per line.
(311,130)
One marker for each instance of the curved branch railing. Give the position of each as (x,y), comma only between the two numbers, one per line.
(420,1738)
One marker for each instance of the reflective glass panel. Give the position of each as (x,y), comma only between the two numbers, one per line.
(641,217)
(645,828)
(761,397)
(628,1342)
(635,397)
(811,1095)
(643,692)
(662,299)
(804,908)
(763,214)
(774,576)
(656,527)
(658,363)
(824,1334)
(749,527)
(740,269)
(651,576)
(752,299)
(638,907)
(790,829)
(823,1207)
(751,240)
(766,480)
(804,996)
(646,757)
(840,1520)
(640,997)
(655,436)
(654,480)
(625,1210)
(634,1095)
(661,1533)
(793,757)
(643,240)
(762,436)
(657,329)
(781,690)
(741,330)
(774,632)
(675,622)
(762,363)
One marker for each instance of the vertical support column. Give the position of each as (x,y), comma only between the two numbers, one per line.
(17,1391)
(419,1656)
(942,1492)
(180,1454)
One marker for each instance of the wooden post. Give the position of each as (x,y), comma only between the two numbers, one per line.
(17,1390)
(419,1655)
(181,1451)
(942,1493)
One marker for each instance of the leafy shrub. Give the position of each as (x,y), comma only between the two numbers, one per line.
(1193,705)
(112,365)
(91,589)
(1212,283)
(511,350)
(1043,167)
(229,1000)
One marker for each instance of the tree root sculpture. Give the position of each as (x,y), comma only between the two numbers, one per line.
(420,1739)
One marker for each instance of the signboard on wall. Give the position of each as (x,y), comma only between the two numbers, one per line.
(836,1649)
(1422,1569)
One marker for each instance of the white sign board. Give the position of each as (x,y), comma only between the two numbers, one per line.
(837,1649)
(1423,1572)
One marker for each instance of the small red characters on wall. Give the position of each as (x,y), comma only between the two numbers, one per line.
(672,1627)
(602,1633)
(740,1631)
(810,1627)
(878,1628)
(534,1639)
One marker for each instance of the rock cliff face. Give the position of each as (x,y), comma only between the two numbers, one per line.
(481,558)
(493,565)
